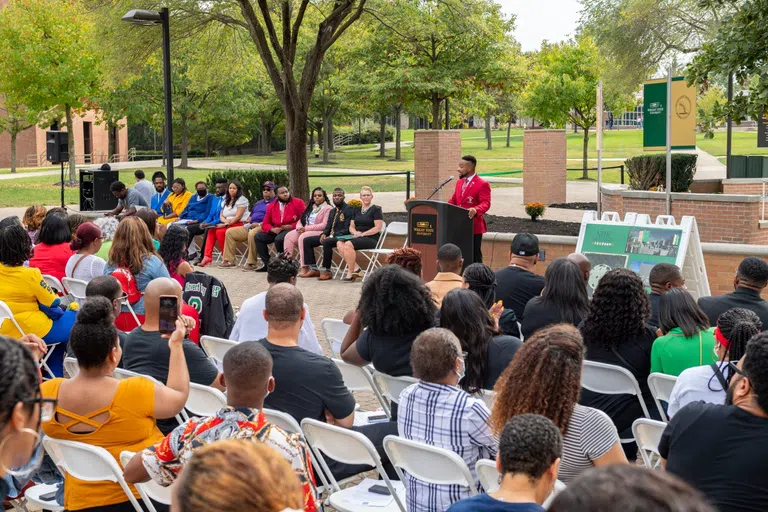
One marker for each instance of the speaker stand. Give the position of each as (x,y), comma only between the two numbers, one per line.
(62,185)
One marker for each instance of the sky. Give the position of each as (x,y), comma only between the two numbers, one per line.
(538,20)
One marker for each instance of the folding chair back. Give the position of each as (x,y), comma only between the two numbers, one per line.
(203,401)
(150,489)
(75,287)
(89,463)
(390,386)
(7,314)
(427,463)
(661,386)
(334,331)
(71,366)
(398,229)
(360,379)
(647,435)
(54,283)
(283,420)
(487,474)
(609,379)
(216,348)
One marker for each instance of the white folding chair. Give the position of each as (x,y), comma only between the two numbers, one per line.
(487,474)
(349,447)
(122,373)
(661,386)
(373,255)
(334,331)
(54,283)
(71,366)
(149,489)
(216,347)
(89,463)
(75,287)
(203,401)
(609,379)
(390,386)
(360,379)
(7,314)
(33,496)
(647,435)
(427,463)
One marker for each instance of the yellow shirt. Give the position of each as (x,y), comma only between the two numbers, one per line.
(131,426)
(178,203)
(442,284)
(22,289)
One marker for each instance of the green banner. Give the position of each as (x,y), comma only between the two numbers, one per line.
(655,115)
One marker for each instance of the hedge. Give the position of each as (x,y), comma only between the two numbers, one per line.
(648,172)
(368,135)
(250,179)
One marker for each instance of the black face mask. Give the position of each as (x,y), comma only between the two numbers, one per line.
(202,193)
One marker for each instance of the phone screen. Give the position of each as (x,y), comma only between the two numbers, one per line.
(169,312)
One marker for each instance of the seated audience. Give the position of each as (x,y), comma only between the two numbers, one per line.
(129,201)
(248,375)
(146,351)
(487,351)
(251,324)
(629,488)
(365,230)
(616,332)
(686,339)
(32,220)
(530,447)
(248,231)
(582,262)
(234,212)
(709,383)
(75,220)
(143,186)
(480,279)
(52,251)
(450,262)
(517,284)
(408,258)
(108,226)
(197,208)
(238,476)
(394,308)
(662,278)
(545,378)
(161,192)
(337,226)
(750,281)
(564,299)
(437,412)
(320,392)
(212,219)
(149,217)
(722,450)
(84,264)
(312,222)
(173,249)
(97,409)
(281,218)
(133,250)
(175,203)
(35,306)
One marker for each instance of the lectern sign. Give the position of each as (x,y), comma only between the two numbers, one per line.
(423,228)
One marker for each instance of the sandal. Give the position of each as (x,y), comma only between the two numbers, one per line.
(227,264)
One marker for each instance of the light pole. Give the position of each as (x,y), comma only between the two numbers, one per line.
(150,18)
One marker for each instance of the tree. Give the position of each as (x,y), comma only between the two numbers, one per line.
(49,58)
(709,111)
(15,120)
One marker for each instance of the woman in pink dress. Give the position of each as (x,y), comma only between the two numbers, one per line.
(312,222)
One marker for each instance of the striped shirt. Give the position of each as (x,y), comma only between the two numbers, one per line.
(590,435)
(446,417)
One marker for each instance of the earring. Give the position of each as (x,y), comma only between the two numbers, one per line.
(31,465)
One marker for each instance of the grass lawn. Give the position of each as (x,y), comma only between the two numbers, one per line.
(742,143)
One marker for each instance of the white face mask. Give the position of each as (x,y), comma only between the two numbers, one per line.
(463,371)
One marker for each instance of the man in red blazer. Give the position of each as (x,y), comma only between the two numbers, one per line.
(281,217)
(473,193)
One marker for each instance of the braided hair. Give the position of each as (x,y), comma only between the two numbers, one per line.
(481,280)
(18,378)
(738,326)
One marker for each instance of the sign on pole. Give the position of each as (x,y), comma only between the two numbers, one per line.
(600,123)
(762,131)
(683,111)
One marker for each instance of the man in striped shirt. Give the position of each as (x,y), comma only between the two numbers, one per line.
(437,412)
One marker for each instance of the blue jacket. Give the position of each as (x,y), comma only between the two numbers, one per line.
(197,209)
(158,200)
(214,210)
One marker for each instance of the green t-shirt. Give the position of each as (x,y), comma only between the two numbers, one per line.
(107,245)
(673,353)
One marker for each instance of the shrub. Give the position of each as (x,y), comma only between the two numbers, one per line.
(648,172)
(534,210)
(251,180)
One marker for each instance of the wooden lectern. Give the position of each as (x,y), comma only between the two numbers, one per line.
(431,224)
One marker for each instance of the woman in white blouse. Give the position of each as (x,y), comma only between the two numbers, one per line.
(233,214)
(84,264)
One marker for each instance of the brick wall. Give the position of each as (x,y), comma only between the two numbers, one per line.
(436,158)
(544,159)
(744,186)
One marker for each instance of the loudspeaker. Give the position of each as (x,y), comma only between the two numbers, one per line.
(95,194)
(57,146)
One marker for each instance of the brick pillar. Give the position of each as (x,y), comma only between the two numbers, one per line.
(544,157)
(436,158)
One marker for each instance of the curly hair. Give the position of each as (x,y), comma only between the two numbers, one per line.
(132,245)
(619,310)
(33,217)
(481,280)
(173,247)
(738,326)
(543,378)
(395,302)
(15,245)
(408,258)
(434,353)
(754,271)
(282,269)
(529,444)
(18,378)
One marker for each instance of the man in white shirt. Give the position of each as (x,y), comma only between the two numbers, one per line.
(143,186)
(251,324)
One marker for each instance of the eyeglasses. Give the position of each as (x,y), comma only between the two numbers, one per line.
(736,369)
(121,299)
(47,407)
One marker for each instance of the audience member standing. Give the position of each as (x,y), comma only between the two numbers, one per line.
(281,218)
(474,194)
(449,262)
(337,226)
(248,231)
(662,278)
(481,279)
(85,265)
(161,192)
(175,202)
(723,450)
(143,186)
(233,214)
(52,251)
(517,284)
(365,227)
(312,221)
(750,281)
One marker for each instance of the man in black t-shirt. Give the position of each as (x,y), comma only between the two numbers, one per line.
(517,284)
(722,450)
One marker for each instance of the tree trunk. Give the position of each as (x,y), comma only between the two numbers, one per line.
(326,135)
(509,131)
(382,135)
(71,144)
(13,151)
(397,109)
(488,134)
(268,139)
(110,140)
(184,142)
(585,165)
(435,111)
(331,135)
(296,152)
(311,140)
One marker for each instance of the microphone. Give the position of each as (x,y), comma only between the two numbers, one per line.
(439,187)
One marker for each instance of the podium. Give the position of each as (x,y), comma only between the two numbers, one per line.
(432,224)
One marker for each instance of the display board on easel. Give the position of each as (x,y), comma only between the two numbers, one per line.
(638,244)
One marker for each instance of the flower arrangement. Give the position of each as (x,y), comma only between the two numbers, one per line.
(535,210)
(355,203)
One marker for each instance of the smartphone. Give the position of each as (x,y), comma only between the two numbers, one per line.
(48,497)
(379,489)
(378,417)
(169,313)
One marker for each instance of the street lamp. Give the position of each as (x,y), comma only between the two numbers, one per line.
(151,18)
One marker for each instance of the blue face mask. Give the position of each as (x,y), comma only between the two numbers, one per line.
(32,464)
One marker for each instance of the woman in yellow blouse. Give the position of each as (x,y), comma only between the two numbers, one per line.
(97,409)
(175,203)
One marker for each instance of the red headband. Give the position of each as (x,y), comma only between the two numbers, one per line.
(721,339)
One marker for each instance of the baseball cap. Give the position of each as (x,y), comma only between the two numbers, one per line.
(269,185)
(525,244)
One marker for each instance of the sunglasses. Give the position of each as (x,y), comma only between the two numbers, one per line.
(736,369)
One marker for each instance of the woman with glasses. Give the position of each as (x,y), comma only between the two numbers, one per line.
(97,409)
(84,264)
